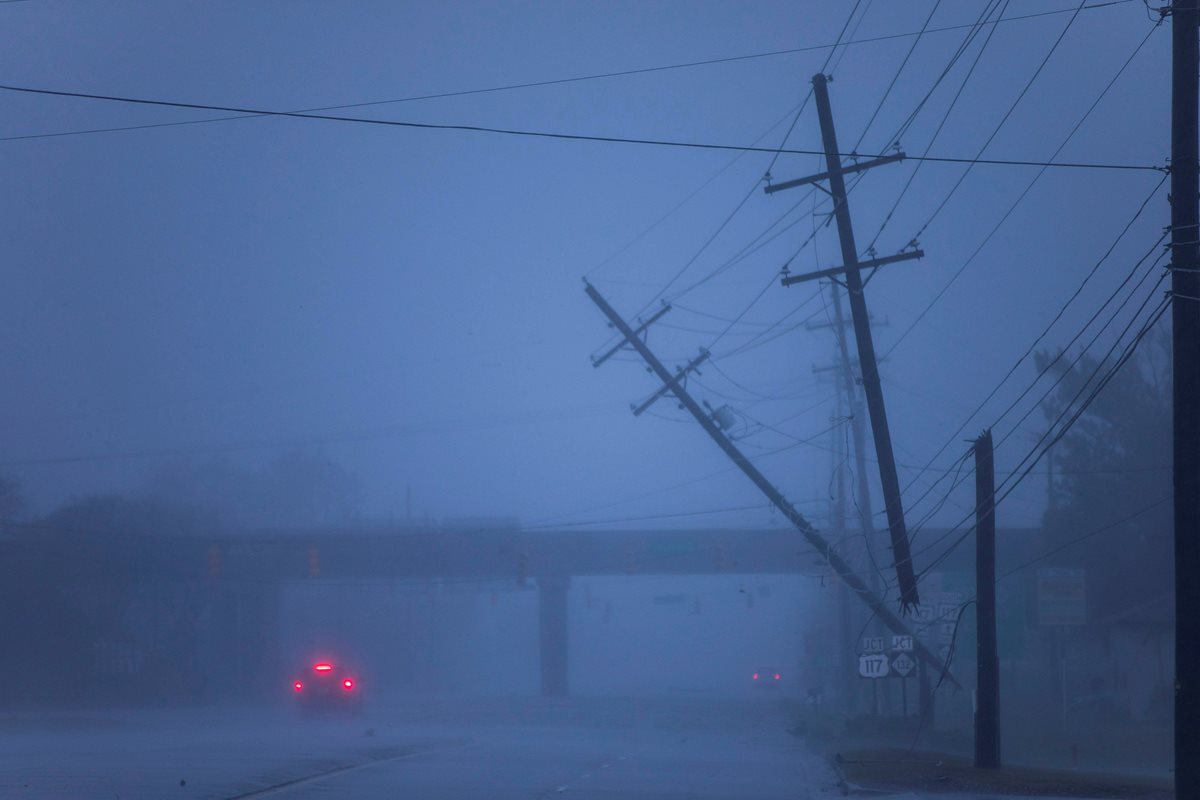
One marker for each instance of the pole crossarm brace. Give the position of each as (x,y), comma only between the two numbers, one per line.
(680,376)
(909,255)
(818,542)
(640,329)
(824,176)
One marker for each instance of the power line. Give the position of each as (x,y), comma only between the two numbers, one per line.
(1046,330)
(809,95)
(753,187)
(834,59)
(963,47)
(1100,364)
(887,92)
(1155,316)
(672,515)
(520,418)
(1007,115)
(761,240)
(693,194)
(1012,208)
(551,134)
(1078,539)
(1079,357)
(1061,377)
(1058,150)
(1035,454)
(770,334)
(542,83)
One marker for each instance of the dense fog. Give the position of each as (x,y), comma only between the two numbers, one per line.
(672,399)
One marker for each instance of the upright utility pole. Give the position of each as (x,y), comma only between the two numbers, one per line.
(818,542)
(850,271)
(987,714)
(862,487)
(1185,319)
(847,645)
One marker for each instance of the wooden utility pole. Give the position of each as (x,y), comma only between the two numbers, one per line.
(987,709)
(1185,320)
(850,271)
(847,574)
(854,406)
(847,646)
(862,502)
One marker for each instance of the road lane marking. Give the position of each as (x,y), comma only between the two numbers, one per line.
(319,776)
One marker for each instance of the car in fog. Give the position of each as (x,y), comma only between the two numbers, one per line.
(327,687)
(766,678)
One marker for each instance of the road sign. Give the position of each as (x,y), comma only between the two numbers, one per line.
(873,665)
(872,644)
(903,664)
(902,643)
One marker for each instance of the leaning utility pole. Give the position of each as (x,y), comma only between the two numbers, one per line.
(1185,320)
(831,556)
(850,270)
(987,658)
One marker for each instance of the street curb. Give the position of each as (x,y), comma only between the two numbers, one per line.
(842,785)
(847,788)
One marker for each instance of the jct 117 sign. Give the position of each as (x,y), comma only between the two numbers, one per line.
(874,665)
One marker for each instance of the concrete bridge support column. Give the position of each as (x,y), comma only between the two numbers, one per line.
(247,641)
(552,615)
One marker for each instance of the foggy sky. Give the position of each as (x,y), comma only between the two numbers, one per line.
(409,302)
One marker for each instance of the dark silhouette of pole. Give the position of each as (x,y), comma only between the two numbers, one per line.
(866,352)
(987,713)
(553,633)
(1185,318)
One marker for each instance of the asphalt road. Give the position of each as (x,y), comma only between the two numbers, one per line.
(691,747)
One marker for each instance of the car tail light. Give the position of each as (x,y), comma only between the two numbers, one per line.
(323,667)
(776,676)
(297,686)
(348,684)
(756,676)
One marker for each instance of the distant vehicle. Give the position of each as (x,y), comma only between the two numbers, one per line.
(327,687)
(766,678)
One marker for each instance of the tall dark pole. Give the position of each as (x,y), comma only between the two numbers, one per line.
(553,632)
(987,713)
(866,351)
(1185,318)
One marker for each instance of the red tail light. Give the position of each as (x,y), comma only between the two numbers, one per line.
(349,684)
(776,676)
(297,686)
(756,676)
(323,667)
